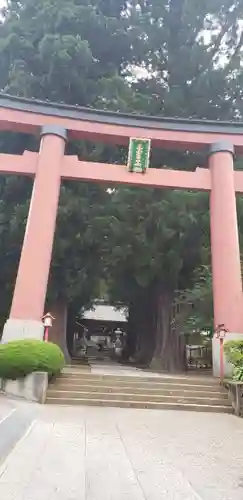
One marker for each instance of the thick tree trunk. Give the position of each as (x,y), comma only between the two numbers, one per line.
(131,334)
(58,331)
(71,327)
(144,328)
(169,354)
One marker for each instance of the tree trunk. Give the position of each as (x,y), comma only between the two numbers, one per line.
(71,327)
(131,334)
(58,331)
(169,354)
(144,328)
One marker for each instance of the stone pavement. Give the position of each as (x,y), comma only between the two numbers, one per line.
(86,453)
(6,407)
(15,419)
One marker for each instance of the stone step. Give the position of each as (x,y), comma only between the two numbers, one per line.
(141,384)
(114,396)
(80,368)
(137,389)
(129,389)
(94,378)
(139,404)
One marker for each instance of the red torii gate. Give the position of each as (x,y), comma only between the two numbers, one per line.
(55,123)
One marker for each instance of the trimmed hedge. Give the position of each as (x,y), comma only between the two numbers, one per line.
(22,357)
(234,353)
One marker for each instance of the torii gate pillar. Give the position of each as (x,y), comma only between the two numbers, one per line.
(32,278)
(226,265)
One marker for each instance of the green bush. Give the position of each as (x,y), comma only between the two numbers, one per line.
(21,357)
(234,353)
(238,373)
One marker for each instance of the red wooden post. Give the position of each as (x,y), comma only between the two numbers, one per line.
(32,278)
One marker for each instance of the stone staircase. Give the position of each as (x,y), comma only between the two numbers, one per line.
(78,386)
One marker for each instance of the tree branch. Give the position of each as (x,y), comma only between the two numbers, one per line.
(216,45)
(238,47)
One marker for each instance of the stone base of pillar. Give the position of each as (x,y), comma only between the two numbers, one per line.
(17,329)
(228,368)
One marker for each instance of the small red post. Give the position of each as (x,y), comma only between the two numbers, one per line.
(221,340)
(46,333)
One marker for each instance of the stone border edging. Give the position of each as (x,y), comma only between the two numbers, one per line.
(33,387)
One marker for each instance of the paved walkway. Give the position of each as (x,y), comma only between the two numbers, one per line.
(115,454)
(113,368)
(15,419)
(106,366)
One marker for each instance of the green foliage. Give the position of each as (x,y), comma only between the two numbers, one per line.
(22,357)
(234,353)
(195,304)
(238,373)
(66,50)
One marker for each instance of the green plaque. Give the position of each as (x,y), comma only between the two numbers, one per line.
(138,155)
